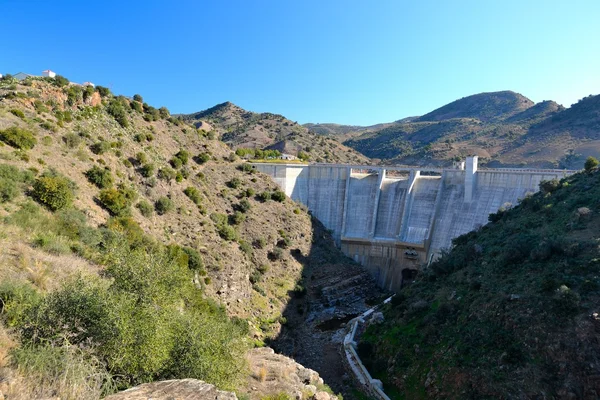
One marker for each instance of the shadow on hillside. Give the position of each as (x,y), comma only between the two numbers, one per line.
(333,290)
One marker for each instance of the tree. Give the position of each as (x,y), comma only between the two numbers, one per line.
(590,164)
(137,97)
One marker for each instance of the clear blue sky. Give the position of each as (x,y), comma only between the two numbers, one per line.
(344,61)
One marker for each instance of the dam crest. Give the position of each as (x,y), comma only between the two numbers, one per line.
(394,220)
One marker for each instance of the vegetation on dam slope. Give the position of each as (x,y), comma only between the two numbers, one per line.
(510,312)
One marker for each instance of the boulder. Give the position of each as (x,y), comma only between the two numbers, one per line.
(176,389)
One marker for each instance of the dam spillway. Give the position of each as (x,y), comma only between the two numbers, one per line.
(393,220)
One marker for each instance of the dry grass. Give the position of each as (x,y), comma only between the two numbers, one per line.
(19,261)
(7,342)
(262,374)
(53,373)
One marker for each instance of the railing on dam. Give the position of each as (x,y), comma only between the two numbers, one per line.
(378,214)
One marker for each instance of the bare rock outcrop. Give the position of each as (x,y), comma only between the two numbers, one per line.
(176,389)
(273,373)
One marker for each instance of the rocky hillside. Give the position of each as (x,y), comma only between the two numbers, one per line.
(505,129)
(107,200)
(244,129)
(485,107)
(510,312)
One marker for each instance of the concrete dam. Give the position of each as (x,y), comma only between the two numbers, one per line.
(394,220)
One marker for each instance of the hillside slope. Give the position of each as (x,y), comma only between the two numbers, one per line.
(244,129)
(510,312)
(483,106)
(135,204)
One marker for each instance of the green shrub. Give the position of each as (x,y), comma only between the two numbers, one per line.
(303,156)
(74,95)
(193,194)
(138,98)
(237,218)
(226,231)
(117,201)
(244,206)
(137,107)
(176,163)
(117,108)
(195,262)
(141,157)
(276,254)
(167,174)
(202,158)
(47,140)
(18,138)
(103,91)
(163,205)
(260,243)
(17,113)
(590,164)
(101,177)
(255,277)
(278,195)
(234,183)
(549,186)
(60,81)
(88,92)
(49,126)
(72,140)
(246,167)
(245,247)
(100,147)
(183,156)
(40,107)
(53,191)
(151,113)
(16,299)
(148,170)
(264,196)
(8,190)
(164,112)
(145,208)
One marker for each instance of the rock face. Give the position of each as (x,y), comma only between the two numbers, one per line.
(177,389)
(272,374)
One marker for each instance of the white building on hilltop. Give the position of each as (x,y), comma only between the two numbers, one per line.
(48,73)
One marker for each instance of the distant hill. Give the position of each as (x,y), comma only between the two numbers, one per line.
(505,129)
(581,120)
(344,132)
(244,129)
(483,106)
(537,112)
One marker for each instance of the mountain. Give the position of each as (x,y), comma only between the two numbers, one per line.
(505,129)
(483,106)
(343,132)
(243,129)
(509,312)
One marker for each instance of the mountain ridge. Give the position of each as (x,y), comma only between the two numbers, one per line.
(505,129)
(242,129)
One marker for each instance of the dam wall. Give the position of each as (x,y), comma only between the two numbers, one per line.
(394,220)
